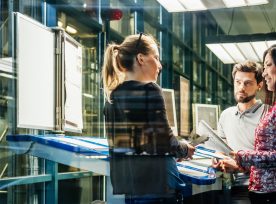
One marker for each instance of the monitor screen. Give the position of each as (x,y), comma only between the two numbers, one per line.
(170,107)
(206,112)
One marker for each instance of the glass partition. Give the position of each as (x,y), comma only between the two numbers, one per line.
(181,36)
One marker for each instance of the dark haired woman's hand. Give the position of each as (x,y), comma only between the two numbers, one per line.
(216,164)
(230,165)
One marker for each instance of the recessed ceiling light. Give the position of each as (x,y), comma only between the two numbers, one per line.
(199,5)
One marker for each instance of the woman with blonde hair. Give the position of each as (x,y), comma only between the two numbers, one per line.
(142,144)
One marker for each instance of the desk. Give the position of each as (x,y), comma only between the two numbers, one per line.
(80,152)
(89,153)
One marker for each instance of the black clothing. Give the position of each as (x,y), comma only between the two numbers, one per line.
(139,117)
(262,198)
(140,139)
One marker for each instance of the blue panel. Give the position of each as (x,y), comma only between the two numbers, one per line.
(62,143)
(51,188)
(90,146)
(199,180)
(51,16)
(24,180)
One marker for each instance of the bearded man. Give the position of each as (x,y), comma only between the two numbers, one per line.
(237,123)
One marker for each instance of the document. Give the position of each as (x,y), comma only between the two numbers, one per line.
(73,86)
(214,141)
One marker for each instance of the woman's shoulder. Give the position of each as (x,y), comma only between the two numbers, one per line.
(274,107)
(153,86)
(140,85)
(153,89)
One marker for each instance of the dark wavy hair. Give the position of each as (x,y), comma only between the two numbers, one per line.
(270,95)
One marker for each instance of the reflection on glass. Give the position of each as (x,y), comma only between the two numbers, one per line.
(178,25)
(125,26)
(178,59)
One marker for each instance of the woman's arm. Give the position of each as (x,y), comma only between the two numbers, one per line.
(265,154)
(157,115)
(260,159)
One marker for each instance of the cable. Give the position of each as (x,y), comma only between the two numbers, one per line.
(272,29)
(232,19)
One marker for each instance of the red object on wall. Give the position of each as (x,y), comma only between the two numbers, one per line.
(112,14)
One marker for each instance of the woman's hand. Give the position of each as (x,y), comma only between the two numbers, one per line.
(191,151)
(216,164)
(229,165)
(233,154)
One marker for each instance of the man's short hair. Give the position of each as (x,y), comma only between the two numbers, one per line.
(249,66)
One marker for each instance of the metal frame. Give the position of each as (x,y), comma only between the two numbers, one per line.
(50,178)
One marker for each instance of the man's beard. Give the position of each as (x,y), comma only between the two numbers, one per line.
(246,99)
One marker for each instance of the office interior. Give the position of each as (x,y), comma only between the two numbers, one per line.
(198,78)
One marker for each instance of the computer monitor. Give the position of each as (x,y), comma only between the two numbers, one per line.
(170,107)
(206,112)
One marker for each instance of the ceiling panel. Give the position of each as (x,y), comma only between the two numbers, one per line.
(247,20)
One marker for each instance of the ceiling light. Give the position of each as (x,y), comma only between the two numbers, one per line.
(257,2)
(71,30)
(7,75)
(193,5)
(199,5)
(221,53)
(250,53)
(60,24)
(6,64)
(232,49)
(172,5)
(88,95)
(259,47)
(234,3)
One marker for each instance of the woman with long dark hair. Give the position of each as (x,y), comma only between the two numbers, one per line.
(262,161)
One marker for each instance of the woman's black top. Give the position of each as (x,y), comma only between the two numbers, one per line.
(139,137)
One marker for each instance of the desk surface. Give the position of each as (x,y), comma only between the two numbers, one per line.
(81,145)
(78,151)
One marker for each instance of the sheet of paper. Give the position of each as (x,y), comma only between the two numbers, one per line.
(214,142)
(73,87)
